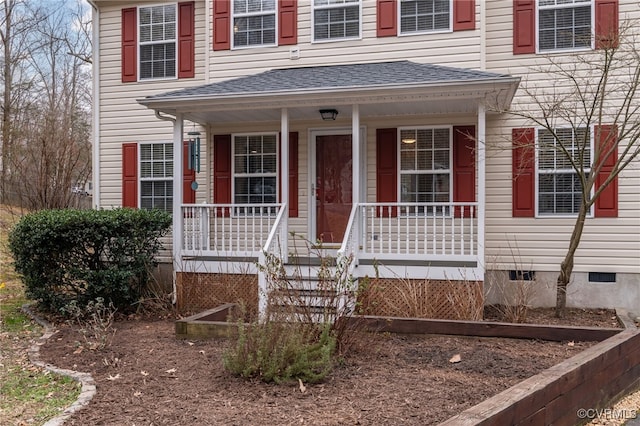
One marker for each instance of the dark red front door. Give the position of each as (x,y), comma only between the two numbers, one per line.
(333,187)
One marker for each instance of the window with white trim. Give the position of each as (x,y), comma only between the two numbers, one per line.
(255,169)
(425,166)
(420,16)
(336,19)
(158,43)
(254,23)
(156,176)
(564,24)
(559,188)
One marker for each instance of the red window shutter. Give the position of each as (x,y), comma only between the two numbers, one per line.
(523,165)
(288,22)
(464,15)
(464,168)
(186,39)
(129,53)
(606,23)
(130,175)
(607,202)
(524,27)
(221,25)
(387,169)
(222,170)
(188,176)
(293,175)
(387,13)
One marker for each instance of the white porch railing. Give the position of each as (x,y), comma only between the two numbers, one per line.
(229,230)
(276,248)
(412,231)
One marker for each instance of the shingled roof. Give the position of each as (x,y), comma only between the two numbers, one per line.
(323,78)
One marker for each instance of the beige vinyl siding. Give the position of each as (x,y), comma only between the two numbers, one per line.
(608,244)
(458,49)
(122,119)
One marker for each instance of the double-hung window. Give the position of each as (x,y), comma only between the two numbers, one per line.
(336,19)
(254,23)
(425,167)
(158,43)
(420,16)
(156,176)
(255,166)
(564,24)
(559,187)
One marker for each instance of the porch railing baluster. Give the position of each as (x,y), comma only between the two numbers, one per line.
(471,239)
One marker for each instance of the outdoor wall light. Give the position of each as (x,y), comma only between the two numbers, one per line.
(328,114)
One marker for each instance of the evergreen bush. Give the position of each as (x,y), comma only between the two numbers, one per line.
(81,255)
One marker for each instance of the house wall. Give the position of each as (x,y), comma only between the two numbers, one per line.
(458,49)
(539,244)
(121,118)
(608,244)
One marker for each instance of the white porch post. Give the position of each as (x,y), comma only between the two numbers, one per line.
(357,178)
(355,152)
(482,195)
(284,182)
(177,192)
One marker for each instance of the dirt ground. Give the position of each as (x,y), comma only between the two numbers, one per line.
(147,377)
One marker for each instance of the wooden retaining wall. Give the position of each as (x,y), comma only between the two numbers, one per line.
(592,379)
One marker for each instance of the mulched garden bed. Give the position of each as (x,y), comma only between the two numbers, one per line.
(148,377)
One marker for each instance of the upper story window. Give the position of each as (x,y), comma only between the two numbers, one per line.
(425,165)
(418,16)
(254,23)
(255,168)
(158,42)
(560,25)
(564,24)
(157,26)
(156,176)
(336,19)
(559,188)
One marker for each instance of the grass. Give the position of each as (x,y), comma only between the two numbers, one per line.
(28,394)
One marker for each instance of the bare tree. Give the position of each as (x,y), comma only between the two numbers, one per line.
(15,24)
(49,147)
(588,116)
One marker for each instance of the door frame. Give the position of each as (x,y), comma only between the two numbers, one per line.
(311,167)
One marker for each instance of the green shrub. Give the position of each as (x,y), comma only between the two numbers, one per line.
(280,352)
(81,255)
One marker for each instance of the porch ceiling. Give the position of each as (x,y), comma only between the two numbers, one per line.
(380,89)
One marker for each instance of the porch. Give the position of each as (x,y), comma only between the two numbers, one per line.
(419,216)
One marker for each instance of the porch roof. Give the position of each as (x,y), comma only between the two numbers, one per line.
(381,88)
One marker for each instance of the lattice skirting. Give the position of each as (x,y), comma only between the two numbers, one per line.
(197,292)
(419,298)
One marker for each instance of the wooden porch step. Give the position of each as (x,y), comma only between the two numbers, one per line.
(303,292)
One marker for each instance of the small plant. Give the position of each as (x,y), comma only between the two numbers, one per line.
(513,297)
(305,322)
(512,293)
(281,352)
(95,322)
